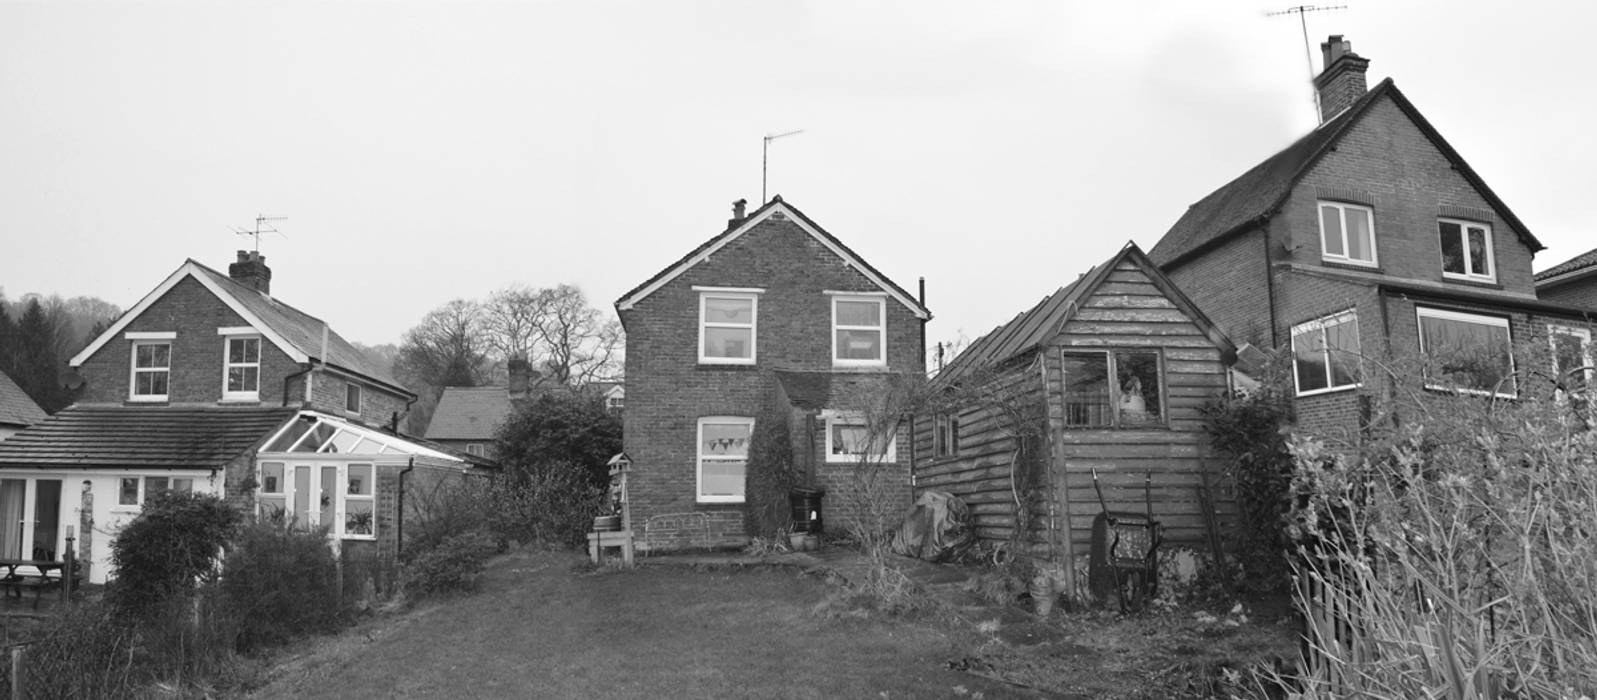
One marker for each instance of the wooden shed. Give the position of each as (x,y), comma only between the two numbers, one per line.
(1109,374)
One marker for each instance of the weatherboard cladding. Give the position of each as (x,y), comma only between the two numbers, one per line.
(1259,193)
(142,437)
(16,408)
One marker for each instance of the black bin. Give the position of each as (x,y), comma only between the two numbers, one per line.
(806,510)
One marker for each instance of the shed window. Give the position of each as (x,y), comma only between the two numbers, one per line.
(945,435)
(1113,389)
(1474,353)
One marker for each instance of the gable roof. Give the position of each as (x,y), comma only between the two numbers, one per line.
(166,437)
(16,407)
(1256,195)
(296,333)
(732,233)
(1578,266)
(469,413)
(1031,329)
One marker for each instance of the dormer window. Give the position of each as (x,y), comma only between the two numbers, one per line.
(859,330)
(1347,233)
(728,320)
(242,369)
(152,366)
(1466,250)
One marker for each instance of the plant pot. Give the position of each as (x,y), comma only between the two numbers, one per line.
(796,540)
(812,543)
(607,523)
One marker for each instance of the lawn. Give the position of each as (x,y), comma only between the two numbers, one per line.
(542,626)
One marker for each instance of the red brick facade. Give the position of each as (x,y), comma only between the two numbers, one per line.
(669,390)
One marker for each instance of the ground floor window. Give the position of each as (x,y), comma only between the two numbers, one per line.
(1114,389)
(134,490)
(723,458)
(1572,358)
(1325,353)
(851,437)
(340,496)
(1472,353)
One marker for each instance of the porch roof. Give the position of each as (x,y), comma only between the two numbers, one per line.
(167,437)
(316,432)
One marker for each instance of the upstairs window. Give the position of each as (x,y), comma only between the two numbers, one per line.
(242,369)
(152,369)
(1466,250)
(1572,359)
(351,398)
(859,331)
(723,458)
(1325,353)
(727,326)
(1347,233)
(1474,353)
(1114,389)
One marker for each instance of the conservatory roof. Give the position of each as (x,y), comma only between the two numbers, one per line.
(315,432)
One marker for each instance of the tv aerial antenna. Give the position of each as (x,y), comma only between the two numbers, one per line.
(1302,11)
(765,159)
(261,226)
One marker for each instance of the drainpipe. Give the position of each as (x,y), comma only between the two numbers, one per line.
(399,514)
(393,423)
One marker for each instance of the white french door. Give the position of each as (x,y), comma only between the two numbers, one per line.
(30,518)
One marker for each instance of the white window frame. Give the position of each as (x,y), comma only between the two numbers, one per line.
(1342,210)
(475,449)
(741,294)
(881,347)
(341,497)
(1421,312)
(358,392)
(848,418)
(1553,331)
(228,364)
(143,490)
(701,458)
(1464,226)
(142,340)
(1320,324)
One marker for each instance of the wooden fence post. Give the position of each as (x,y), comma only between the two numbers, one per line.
(17,684)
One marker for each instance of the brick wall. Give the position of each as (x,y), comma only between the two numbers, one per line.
(328,389)
(1230,285)
(668,390)
(1581,294)
(194,313)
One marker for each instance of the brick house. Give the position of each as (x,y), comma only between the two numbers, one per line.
(771,319)
(210,384)
(1107,378)
(1370,237)
(1572,282)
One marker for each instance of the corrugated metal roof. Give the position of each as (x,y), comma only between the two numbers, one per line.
(469,413)
(205,437)
(16,407)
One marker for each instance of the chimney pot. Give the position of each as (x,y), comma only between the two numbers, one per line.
(739,209)
(520,371)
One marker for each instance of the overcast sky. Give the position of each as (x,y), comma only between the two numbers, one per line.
(429,151)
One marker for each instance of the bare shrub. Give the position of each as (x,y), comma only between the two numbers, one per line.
(281,583)
(554,503)
(453,565)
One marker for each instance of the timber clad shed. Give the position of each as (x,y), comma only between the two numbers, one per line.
(1109,374)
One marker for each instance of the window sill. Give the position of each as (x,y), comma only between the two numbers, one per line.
(149,399)
(1330,390)
(255,401)
(358,538)
(720,502)
(1472,282)
(1350,265)
(716,367)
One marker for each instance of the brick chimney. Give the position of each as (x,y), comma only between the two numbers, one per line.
(1342,82)
(251,271)
(739,209)
(520,377)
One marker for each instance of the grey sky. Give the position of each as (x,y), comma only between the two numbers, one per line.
(429,151)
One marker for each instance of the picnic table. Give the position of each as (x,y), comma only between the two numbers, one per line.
(15,582)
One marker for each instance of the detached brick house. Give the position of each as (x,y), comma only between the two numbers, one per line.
(1370,237)
(1572,282)
(209,384)
(775,318)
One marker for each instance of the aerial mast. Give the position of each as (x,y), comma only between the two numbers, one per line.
(1302,12)
(765,158)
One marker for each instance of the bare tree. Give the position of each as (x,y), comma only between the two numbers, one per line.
(512,317)
(448,348)
(576,345)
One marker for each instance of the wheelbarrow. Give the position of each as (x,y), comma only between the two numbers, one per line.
(1125,549)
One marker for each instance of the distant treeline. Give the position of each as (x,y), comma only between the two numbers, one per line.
(39,334)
